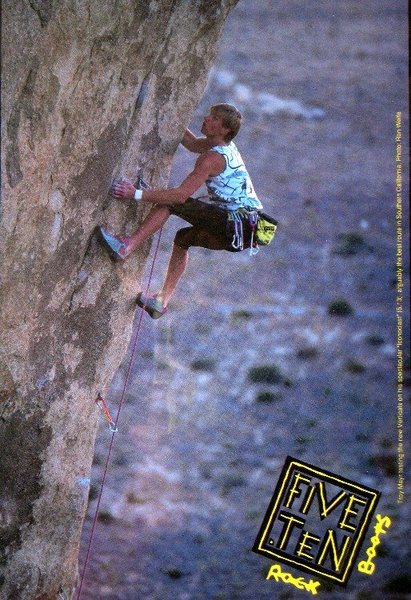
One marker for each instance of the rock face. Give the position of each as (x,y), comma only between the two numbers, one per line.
(92,89)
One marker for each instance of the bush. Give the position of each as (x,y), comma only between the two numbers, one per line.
(105,517)
(93,492)
(266,396)
(350,243)
(203,364)
(307,353)
(173,573)
(340,307)
(265,374)
(242,314)
(354,367)
(374,339)
(401,584)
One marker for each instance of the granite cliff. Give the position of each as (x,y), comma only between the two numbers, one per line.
(91,90)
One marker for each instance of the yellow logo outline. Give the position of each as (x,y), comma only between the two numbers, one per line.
(361,501)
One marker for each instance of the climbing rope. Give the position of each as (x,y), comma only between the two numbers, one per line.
(113,424)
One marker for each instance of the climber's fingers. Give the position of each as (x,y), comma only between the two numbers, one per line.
(123,189)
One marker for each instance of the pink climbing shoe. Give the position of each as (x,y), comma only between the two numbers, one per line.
(115,246)
(153,306)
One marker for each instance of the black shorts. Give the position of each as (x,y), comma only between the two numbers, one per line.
(209,225)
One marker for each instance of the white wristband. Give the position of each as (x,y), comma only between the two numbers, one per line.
(138,194)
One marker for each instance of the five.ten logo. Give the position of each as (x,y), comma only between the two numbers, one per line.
(316,521)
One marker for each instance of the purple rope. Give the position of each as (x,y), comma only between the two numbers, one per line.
(130,364)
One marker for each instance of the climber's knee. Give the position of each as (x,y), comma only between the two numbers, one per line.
(184,237)
(161,210)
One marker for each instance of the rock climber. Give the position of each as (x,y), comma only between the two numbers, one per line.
(224,220)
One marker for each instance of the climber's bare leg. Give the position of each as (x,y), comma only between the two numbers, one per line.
(152,223)
(176,267)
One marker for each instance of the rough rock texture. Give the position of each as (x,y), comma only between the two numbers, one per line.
(91,89)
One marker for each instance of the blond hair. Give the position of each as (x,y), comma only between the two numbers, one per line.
(231,117)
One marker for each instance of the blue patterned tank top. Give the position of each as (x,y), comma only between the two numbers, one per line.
(233,185)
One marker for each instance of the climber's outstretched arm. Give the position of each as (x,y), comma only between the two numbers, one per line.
(208,164)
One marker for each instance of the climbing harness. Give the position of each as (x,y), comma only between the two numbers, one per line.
(140,183)
(113,422)
(262,226)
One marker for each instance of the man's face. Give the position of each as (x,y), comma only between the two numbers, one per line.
(213,125)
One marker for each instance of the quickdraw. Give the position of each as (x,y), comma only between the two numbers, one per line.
(237,241)
(253,220)
(102,404)
(236,216)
